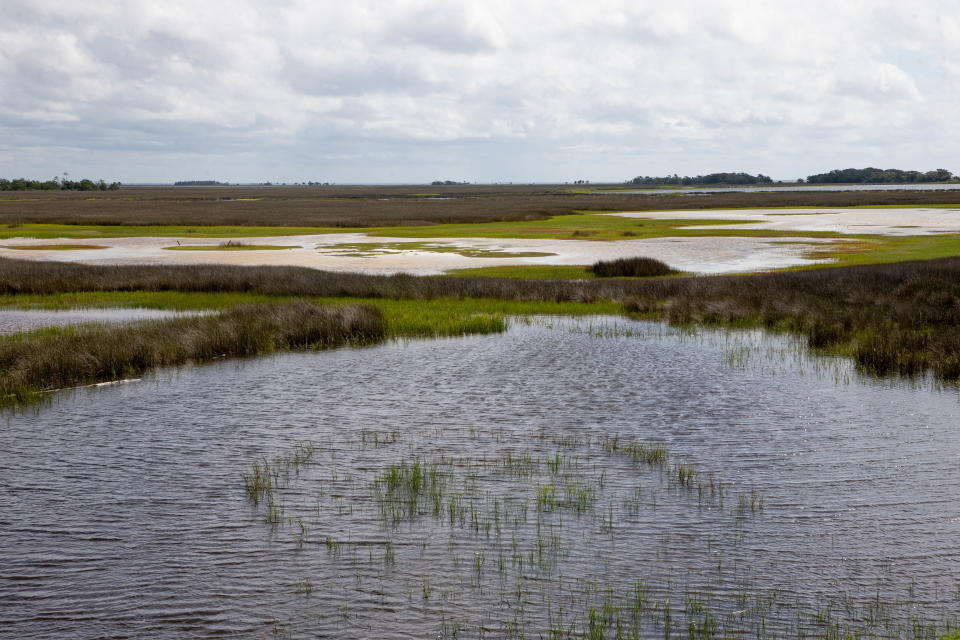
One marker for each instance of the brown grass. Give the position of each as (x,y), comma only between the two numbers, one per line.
(893,318)
(52,359)
(388,206)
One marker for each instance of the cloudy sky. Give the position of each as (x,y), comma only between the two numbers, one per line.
(485,91)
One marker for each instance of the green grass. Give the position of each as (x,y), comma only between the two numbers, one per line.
(404,318)
(53,247)
(588,226)
(573,226)
(874,249)
(172,300)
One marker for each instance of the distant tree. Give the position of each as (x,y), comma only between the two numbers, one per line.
(872,175)
(712,179)
(23,184)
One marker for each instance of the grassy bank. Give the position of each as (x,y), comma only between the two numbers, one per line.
(876,249)
(895,318)
(438,317)
(59,358)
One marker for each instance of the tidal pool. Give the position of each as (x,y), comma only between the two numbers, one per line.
(568,478)
(356,252)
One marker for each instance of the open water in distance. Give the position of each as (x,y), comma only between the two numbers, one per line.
(123,511)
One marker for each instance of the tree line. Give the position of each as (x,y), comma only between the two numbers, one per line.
(878,176)
(710,178)
(56,184)
(869,175)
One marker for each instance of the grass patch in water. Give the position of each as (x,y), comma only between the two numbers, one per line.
(589,226)
(520,535)
(368,249)
(403,318)
(232,245)
(865,249)
(53,247)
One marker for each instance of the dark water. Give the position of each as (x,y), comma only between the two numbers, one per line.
(123,512)
(16,320)
(809,187)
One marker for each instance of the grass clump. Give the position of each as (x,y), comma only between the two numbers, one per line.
(59,358)
(403,490)
(638,267)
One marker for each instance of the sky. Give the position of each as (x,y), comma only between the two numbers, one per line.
(485,91)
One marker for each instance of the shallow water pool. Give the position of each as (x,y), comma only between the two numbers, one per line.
(793,497)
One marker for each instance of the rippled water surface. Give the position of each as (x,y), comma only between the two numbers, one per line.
(793,494)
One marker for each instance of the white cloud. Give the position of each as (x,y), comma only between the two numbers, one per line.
(691,86)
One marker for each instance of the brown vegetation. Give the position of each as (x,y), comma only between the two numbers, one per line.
(638,267)
(54,359)
(389,206)
(892,318)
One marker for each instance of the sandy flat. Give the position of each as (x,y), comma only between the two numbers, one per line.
(899,222)
(702,255)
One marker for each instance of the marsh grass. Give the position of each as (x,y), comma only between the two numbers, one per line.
(520,545)
(51,359)
(901,318)
(403,489)
(147,208)
(438,317)
(638,267)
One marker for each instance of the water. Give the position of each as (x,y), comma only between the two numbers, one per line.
(15,320)
(806,187)
(123,511)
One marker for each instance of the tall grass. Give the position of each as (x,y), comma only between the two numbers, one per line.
(52,359)
(891,318)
